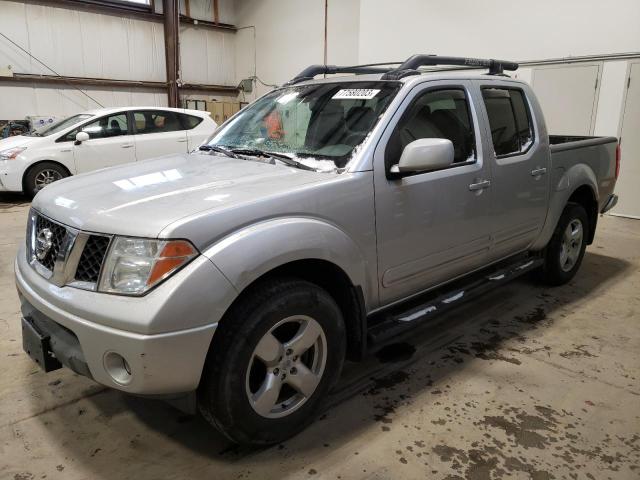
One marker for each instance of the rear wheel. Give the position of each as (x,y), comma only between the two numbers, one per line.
(273,359)
(42,175)
(566,248)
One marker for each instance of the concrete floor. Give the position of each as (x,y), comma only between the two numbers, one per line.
(529,382)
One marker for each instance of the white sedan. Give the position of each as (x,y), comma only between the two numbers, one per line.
(98,139)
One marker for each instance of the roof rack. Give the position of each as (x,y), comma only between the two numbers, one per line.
(406,68)
(411,65)
(313,70)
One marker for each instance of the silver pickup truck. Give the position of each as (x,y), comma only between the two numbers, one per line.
(327,218)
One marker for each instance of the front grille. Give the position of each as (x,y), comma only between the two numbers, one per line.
(91,259)
(57,237)
(69,256)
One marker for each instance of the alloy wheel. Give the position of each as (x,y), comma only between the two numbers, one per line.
(286,366)
(571,245)
(45,177)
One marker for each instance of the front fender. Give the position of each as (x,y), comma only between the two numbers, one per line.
(249,253)
(564,183)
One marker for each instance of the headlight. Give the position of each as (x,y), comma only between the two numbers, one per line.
(134,265)
(11,153)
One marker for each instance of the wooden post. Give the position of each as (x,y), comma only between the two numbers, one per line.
(216,12)
(172,50)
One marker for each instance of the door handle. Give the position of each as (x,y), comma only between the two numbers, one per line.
(127,145)
(536,172)
(182,140)
(481,185)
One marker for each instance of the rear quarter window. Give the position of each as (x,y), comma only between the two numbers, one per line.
(190,121)
(156,121)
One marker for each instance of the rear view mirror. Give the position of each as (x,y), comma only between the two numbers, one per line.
(424,155)
(81,137)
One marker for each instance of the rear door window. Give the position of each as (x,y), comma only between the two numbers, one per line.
(509,120)
(156,121)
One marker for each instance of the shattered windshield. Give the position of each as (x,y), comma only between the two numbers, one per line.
(319,125)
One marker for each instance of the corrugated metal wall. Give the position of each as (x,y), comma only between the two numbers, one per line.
(18,101)
(83,44)
(207,56)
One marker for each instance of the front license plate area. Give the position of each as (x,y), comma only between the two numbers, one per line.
(37,346)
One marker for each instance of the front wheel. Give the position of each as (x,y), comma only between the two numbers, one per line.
(566,248)
(42,175)
(273,359)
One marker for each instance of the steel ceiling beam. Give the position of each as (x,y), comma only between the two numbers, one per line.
(26,78)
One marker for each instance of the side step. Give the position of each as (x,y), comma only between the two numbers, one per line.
(395,321)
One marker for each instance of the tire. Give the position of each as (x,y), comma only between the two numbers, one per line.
(42,175)
(564,253)
(249,360)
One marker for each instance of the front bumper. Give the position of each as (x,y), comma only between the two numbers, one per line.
(163,363)
(10,176)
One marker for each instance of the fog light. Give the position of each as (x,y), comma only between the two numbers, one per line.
(117,367)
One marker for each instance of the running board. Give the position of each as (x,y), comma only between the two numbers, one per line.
(396,321)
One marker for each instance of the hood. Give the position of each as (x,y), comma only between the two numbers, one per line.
(17,141)
(141,199)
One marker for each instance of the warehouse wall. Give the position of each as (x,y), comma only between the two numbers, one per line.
(290,36)
(516,29)
(78,43)
(203,10)
(610,100)
(21,100)
(207,56)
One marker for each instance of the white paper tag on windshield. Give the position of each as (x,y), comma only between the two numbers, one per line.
(355,94)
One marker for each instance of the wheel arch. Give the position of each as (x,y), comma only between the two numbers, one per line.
(585,197)
(252,251)
(30,168)
(577,184)
(336,282)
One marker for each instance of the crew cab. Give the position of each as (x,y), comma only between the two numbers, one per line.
(328,218)
(97,139)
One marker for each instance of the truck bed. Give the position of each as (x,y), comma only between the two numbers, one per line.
(596,154)
(568,142)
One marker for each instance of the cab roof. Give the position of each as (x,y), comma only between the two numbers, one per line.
(462,74)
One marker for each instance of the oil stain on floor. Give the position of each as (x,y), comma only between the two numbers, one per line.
(532,440)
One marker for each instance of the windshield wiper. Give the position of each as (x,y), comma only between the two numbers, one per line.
(286,159)
(215,148)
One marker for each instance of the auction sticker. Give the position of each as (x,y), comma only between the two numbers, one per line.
(356,94)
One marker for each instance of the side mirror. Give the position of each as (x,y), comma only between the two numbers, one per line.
(424,155)
(81,137)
